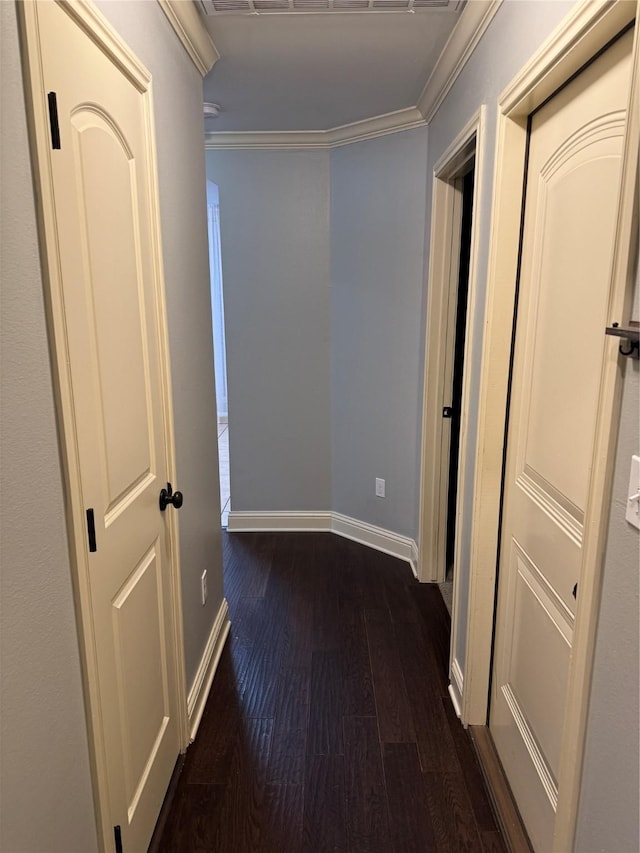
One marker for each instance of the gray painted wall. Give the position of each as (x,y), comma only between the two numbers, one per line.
(378,200)
(274,223)
(44,753)
(177,91)
(513,36)
(45,786)
(323,273)
(609,816)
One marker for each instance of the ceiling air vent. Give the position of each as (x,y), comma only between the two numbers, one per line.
(283,7)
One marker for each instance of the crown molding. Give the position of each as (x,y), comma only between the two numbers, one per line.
(268,139)
(474,20)
(346,134)
(370,128)
(192,32)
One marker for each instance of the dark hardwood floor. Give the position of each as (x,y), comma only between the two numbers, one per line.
(329,726)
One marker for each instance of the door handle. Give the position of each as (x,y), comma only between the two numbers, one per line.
(168,496)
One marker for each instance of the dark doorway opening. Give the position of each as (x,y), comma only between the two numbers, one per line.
(467,183)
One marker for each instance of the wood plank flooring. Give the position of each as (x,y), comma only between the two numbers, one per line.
(329,726)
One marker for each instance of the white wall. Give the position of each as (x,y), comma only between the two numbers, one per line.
(46,803)
(44,766)
(378,200)
(274,223)
(177,96)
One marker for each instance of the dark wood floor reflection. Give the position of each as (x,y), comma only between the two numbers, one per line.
(329,726)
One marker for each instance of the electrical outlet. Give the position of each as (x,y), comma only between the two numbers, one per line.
(633,495)
(203,584)
(379,487)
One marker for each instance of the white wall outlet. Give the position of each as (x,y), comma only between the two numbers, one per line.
(203,584)
(633,495)
(379,487)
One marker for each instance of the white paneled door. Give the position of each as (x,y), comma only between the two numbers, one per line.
(109,269)
(572,195)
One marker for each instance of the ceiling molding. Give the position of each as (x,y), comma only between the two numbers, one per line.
(268,139)
(346,134)
(370,128)
(192,32)
(474,20)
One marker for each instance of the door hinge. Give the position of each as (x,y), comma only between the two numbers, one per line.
(91,530)
(117,834)
(53,120)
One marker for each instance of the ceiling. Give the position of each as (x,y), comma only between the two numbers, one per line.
(316,71)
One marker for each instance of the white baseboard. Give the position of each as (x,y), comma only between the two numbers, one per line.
(455,687)
(333,522)
(272,522)
(375,537)
(207,669)
(415,558)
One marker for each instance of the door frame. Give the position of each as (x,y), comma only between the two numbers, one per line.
(585,31)
(442,290)
(97,28)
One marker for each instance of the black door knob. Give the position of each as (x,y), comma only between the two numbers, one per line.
(168,496)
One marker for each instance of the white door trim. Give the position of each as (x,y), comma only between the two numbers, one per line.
(442,288)
(585,31)
(88,18)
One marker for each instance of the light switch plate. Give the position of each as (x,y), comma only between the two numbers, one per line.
(633,495)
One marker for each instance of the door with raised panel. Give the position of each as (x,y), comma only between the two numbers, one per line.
(110,268)
(572,194)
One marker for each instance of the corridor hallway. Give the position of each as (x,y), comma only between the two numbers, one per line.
(329,726)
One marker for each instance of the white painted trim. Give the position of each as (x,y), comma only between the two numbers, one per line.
(415,559)
(336,137)
(89,18)
(455,699)
(329,522)
(207,667)
(375,537)
(381,125)
(438,357)
(268,140)
(270,522)
(587,29)
(475,19)
(192,32)
(456,686)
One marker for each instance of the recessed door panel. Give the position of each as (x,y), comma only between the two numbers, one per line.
(563,377)
(109,208)
(541,639)
(140,655)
